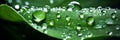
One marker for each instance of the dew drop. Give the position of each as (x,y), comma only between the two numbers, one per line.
(117,28)
(103,12)
(113,15)
(69,23)
(10,1)
(74,5)
(68,18)
(17,6)
(82,15)
(26,3)
(51,1)
(90,20)
(51,23)
(99,26)
(89,35)
(45,9)
(38,16)
(58,16)
(45,31)
(44,26)
(109,21)
(79,34)
(109,33)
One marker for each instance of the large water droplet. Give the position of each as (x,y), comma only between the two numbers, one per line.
(109,21)
(17,6)
(39,16)
(74,5)
(68,18)
(90,20)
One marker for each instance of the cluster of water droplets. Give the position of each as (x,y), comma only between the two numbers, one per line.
(87,14)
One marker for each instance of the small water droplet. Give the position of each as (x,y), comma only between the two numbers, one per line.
(109,21)
(109,33)
(103,12)
(45,9)
(18,1)
(74,5)
(10,1)
(79,34)
(69,23)
(99,26)
(90,20)
(78,28)
(89,35)
(51,1)
(117,28)
(81,15)
(17,6)
(68,18)
(45,31)
(58,16)
(26,3)
(113,15)
(51,23)
(44,26)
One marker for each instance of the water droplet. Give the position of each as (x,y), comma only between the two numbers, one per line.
(117,28)
(38,16)
(109,33)
(69,23)
(68,18)
(18,1)
(113,15)
(79,34)
(89,35)
(90,20)
(103,12)
(109,21)
(45,31)
(81,15)
(45,9)
(47,6)
(69,9)
(51,1)
(26,3)
(44,26)
(10,1)
(58,16)
(17,6)
(74,5)
(51,23)
(98,26)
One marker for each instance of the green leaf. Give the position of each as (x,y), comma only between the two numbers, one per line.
(8,13)
(73,24)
